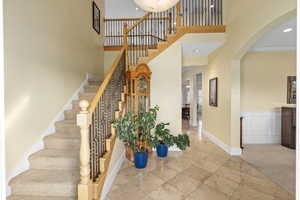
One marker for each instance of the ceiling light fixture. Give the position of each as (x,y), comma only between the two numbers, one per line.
(196,50)
(136,8)
(156,5)
(287,30)
(212,6)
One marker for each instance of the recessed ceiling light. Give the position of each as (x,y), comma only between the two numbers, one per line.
(136,8)
(287,30)
(212,6)
(196,50)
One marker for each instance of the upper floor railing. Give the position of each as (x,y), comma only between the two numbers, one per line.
(201,12)
(154,28)
(114,29)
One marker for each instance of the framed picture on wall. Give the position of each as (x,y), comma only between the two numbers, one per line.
(213,92)
(291,89)
(96,18)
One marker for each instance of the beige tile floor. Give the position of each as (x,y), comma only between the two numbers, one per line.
(203,172)
(281,168)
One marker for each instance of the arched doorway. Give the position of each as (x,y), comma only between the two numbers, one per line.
(285,180)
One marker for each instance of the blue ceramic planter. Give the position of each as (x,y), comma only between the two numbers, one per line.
(162,150)
(140,160)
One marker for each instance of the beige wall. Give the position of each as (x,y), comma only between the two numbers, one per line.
(243,29)
(264,79)
(49,47)
(194,60)
(109,57)
(166,86)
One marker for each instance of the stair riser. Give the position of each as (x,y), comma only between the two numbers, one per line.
(54,163)
(71,114)
(86,97)
(50,189)
(74,131)
(94,83)
(75,105)
(91,89)
(61,143)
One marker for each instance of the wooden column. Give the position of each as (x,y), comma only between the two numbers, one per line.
(83,121)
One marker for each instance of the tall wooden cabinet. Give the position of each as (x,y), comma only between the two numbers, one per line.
(288,127)
(139,88)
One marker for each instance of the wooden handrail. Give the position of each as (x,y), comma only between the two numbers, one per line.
(134,19)
(145,35)
(139,22)
(105,83)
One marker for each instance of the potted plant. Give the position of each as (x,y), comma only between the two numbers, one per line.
(126,131)
(182,141)
(135,132)
(146,121)
(162,140)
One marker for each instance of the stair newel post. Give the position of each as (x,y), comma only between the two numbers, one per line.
(178,15)
(125,35)
(83,121)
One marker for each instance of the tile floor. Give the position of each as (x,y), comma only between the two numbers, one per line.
(203,172)
(281,168)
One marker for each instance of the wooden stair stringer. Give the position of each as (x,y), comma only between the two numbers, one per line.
(181,31)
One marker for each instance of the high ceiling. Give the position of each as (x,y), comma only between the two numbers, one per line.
(122,9)
(199,49)
(277,39)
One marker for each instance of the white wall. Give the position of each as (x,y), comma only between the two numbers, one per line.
(109,57)
(166,86)
(50,45)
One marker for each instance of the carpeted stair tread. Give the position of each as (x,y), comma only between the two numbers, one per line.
(91,88)
(56,153)
(38,182)
(22,197)
(47,177)
(66,122)
(54,159)
(63,135)
(71,114)
(62,141)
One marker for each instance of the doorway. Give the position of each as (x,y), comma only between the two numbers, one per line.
(192,99)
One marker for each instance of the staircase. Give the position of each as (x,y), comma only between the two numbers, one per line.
(172,38)
(54,170)
(75,160)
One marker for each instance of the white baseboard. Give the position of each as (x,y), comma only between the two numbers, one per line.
(111,177)
(24,162)
(262,127)
(230,150)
